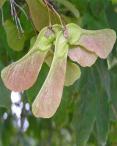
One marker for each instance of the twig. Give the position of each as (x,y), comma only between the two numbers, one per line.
(21,9)
(55,11)
(15,15)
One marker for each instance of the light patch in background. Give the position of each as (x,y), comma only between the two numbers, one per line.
(15,97)
(5,115)
(25,124)
(27,106)
(16,108)
(65,133)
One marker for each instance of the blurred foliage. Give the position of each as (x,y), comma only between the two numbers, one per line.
(87,115)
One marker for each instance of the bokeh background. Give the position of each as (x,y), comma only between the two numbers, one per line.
(87,115)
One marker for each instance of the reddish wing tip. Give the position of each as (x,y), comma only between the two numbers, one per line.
(21,75)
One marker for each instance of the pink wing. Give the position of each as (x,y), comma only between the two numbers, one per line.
(21,75)
(101,41)
(49,97)
(82,56)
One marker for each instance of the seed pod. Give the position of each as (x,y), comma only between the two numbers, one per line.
(82,56)
(73,73)
(21,75)
(73,32)
(90,44)
(99,41)
(49,97)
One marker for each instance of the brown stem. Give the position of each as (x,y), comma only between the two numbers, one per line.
(54,10)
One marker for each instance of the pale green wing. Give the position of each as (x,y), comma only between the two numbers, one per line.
(73,73)
(48,99)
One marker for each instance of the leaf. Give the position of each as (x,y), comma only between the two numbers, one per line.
(4,96)
(5,100)
(39,14)
(15,41)
(113,99)
(81,5)
(102,121)
(92,107)
(2,3)
(103,99)
(6,53)
(98,8)
(49,97)
(65,112)
(100,42)
(85,112)
(114,1)
(70,7)
(82,56)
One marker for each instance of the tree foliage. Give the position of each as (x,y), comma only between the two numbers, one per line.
(87,115)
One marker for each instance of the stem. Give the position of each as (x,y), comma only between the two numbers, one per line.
(55,11)
(21,9)
(15,16)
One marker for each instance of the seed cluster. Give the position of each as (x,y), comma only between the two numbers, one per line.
(62,49)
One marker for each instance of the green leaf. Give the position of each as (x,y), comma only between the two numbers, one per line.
(102,121)
(70,7)
(93,105)
(114,1)
(81,5)
(103,99)
(2,3)
(4,94)
(85,113)
(113,75)
(15,40)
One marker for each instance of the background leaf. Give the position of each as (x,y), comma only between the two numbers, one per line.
(88,112)
(5,100)
(14,38)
